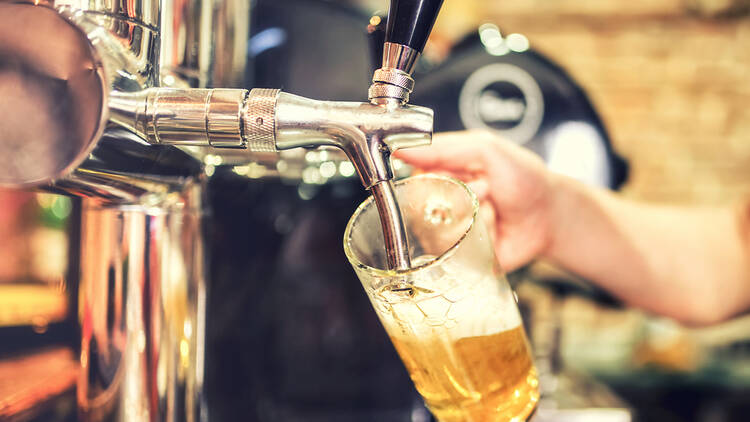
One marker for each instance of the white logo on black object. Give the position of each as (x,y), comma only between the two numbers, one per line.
(516,117)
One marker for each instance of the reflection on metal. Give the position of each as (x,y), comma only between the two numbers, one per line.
(394,230)
(40,140)
(392,83)
(367,133)
(141,12)
(205,42)
(141,252)
(222,118)
(125,39)
(264,120)
(400,57)
(142,283)
(391,86)
(208,117)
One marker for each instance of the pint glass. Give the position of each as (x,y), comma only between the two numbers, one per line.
(452,316)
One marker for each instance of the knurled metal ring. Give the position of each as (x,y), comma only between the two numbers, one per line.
(260,120)
(381,90)
(394,77)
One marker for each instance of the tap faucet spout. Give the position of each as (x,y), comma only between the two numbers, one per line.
(267,120)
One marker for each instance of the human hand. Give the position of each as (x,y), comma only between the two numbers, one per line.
(511,183)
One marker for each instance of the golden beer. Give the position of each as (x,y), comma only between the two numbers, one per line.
(485,378)
(465,350)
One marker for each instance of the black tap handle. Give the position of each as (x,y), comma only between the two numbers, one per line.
(410,22)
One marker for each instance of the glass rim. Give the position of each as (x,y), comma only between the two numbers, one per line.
(381,272)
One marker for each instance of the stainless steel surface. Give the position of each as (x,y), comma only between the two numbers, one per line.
(394,77)
(367,133)
(125,35)
(52,100)
(259,128)
(266,120)
(205,42)
(392,83)
(59,95)
(108,46)
(142,310)
(211,117)
(142,12)
(225,111)
(390,89)
(380,93)
(394,231)
(398,56)
(123,169)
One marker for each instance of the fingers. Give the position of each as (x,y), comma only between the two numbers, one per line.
(480,187)
(487,214)
(452,151)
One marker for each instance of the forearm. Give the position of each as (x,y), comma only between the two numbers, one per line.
(688,263)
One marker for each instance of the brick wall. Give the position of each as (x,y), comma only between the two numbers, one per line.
(671,79)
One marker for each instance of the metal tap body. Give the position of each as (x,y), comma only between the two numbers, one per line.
(267,120)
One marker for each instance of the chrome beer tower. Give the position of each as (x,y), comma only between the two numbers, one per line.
(112,101)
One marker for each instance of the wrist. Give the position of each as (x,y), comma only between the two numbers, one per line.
(568,198)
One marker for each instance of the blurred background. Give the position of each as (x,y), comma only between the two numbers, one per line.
(662,88)
(668,77)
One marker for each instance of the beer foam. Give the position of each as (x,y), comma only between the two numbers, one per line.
(490,310)
(477,306)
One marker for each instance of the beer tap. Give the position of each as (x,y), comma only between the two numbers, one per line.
(409,25)
(259,120)
(268,120)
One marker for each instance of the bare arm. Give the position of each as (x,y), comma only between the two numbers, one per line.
(689,263)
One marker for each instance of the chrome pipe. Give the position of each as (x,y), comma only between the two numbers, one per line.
(394,231)
(267,120)
(142,298)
